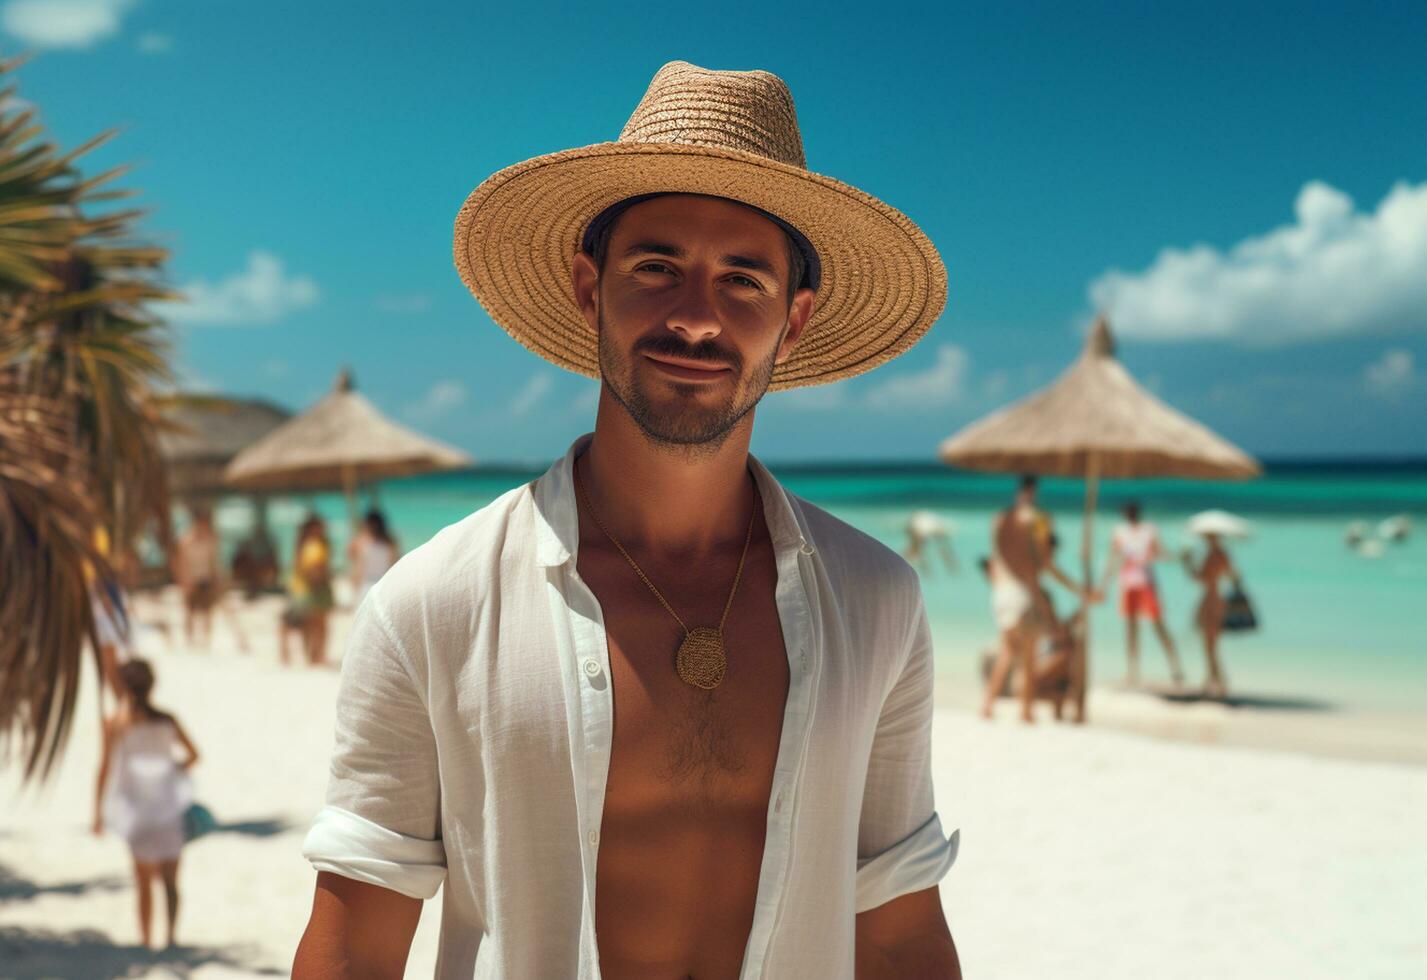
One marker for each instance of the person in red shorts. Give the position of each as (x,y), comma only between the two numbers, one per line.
(1134,548)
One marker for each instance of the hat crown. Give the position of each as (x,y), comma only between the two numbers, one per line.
(750,111)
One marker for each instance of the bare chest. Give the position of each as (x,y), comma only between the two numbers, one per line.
(675,744)
(690,772)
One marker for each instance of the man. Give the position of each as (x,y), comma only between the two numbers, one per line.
(1134,548)
(652,716)
(197,570)
(1021,546)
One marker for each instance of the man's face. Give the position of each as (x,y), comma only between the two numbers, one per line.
(693,311)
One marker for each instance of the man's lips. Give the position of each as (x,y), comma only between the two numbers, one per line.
(688,370)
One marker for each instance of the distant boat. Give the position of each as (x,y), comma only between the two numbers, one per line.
(1395,528)
(1371,548)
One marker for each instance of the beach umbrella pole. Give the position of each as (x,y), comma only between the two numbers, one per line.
(1087,536)
(349,488)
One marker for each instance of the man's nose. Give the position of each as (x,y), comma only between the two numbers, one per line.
(694,317)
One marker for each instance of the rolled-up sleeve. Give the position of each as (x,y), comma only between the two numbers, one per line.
(382,821)
(901,847)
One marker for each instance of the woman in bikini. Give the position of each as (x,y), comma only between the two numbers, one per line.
(1215,568)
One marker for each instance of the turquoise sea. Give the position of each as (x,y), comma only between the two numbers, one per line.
(1337,626)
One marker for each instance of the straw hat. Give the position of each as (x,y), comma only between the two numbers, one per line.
(730,134)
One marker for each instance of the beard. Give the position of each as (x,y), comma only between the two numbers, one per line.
(682,416)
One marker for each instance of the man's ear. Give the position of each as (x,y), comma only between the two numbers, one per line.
(585,278)
(798,316)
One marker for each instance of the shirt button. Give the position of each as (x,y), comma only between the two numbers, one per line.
(594,838)
(592,667)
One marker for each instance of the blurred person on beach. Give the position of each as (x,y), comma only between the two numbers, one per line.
(143,790)
(109,608)
(255,566)
(1022,551)
(1040,630)
(925,528)
(198,571)
(372,552)
(1054,660)
(652,682)
(1134,548)
(1215,568)
(309,590)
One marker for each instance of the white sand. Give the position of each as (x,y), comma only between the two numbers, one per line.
(1085,852)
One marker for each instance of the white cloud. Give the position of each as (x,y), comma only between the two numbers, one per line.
(932,387)
(531,395)
(152,43)
(1334,271)
(261,293)
(63,23)
(440,400)
(1392,374)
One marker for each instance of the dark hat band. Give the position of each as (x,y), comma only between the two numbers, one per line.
(812,268)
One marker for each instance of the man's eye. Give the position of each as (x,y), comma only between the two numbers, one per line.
(746,281)
(654,267)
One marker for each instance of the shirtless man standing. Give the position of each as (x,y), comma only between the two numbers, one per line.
(1023,613)
(652,716)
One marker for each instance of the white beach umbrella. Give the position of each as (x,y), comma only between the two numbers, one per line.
(1219,522)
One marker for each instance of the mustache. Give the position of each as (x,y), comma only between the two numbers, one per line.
(670,345)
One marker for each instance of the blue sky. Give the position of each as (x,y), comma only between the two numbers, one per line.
(1244,187)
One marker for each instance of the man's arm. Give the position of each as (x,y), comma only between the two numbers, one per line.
(377,843)
(1060,575)
(357,932)
(906,939)
(1112,564)
(901,850)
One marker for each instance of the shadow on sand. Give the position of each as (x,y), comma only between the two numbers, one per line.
(38,954)
(270,827)
(1260,702)
(13,888)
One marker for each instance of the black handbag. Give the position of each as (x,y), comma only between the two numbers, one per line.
(1239,615)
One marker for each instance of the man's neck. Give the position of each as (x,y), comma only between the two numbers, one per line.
(666,499)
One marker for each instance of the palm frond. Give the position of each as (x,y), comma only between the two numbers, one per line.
(47,520)
(80,359)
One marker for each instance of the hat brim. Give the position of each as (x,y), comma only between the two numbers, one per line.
(883,283)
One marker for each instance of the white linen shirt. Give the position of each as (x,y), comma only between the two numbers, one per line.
(474,725)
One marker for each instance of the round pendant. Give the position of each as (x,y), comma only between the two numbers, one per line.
(700,660)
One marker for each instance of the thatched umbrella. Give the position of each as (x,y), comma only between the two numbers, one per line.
(204,435)
(340,443)
(1095,422)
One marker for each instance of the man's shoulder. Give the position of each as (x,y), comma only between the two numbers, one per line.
(458,557)
(848,551)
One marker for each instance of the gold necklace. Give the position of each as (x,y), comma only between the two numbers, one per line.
(701,659)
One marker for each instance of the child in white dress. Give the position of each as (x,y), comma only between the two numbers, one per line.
(144,791)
